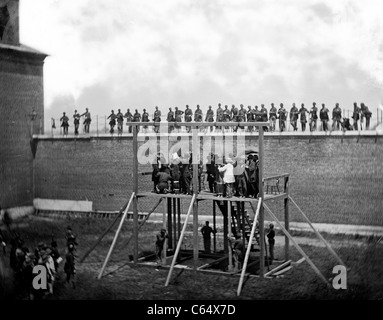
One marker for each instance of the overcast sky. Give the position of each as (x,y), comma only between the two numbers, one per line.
(141,53)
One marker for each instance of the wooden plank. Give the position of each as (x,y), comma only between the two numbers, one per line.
(116,236)
(318,234)
(195,153)
(287,219)
(135,190)
(281,266)
(261,211)
(282,271)
(297,246)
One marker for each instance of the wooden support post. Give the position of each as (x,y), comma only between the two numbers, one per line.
(214,227)
(164,251)
(318,234)
(244,267)
(179,217)
(170,227)
(135,190)
(229,235)
(297,246)
(132,197)
(174,228)
(261,212)
(225,227)
(287,220)
(195,146)
(104,233)
(180,240)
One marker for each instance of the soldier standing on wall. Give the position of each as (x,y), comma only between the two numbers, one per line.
(145,118)
(112,121)
(273,117)
(356,116)
(129,118)
(87,120)
(282,118)
(210,117)
(336,117)
(367,114)
(157,118)
(120,121)
(294,117)
(302,111)
(249,118)
(178,117)
(188,117)
(313,117)
(226,116)
(264,116)
(241,116)
(76,122)
(323,115)
(170,118)
(64,123)
(137,118)
(219,116)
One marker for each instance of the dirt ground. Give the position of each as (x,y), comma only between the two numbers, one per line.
(125,281)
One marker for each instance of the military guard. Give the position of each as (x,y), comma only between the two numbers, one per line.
(129,118)
(210,117)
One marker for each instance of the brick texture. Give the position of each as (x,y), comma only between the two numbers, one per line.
(333,180)
(21,90)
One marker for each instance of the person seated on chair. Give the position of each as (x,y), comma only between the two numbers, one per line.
(163,180)
(175,172)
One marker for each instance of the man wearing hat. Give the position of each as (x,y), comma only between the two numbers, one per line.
(206,231)
(160,241)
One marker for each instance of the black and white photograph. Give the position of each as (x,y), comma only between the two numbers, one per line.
(191,156)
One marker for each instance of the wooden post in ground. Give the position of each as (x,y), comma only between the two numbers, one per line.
(179,217)
(174,223)
(261,211)
(287,220)
(180,240)
(297,246)
(164,251)
(135,190)
(195,146)
(229,235)
(170,227)
(214,227)
(116,235)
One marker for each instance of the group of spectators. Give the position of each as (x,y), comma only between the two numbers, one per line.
(302,115)
(22,261)
(227,176)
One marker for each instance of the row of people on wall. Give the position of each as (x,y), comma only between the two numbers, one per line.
(316,118)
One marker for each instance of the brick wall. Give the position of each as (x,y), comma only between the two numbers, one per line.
(333,180)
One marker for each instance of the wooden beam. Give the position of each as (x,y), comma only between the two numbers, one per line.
(261,211)
(195,153)
(135,190)
(287,219)
(244,267)
(105,232)
(180,241)
(297,246)
(230,236)
(281,266)
(318,234)
(116,235)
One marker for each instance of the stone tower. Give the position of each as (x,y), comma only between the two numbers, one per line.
(21,109)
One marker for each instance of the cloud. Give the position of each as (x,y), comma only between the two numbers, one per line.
(170,52)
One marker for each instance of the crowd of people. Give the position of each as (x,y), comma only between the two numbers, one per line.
(316,118)
(22,261)
(226,176)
